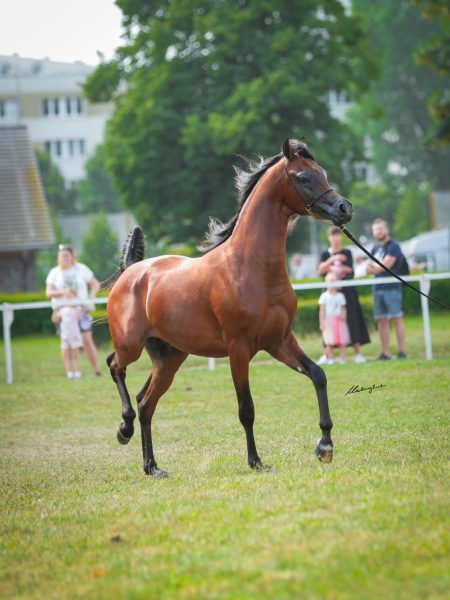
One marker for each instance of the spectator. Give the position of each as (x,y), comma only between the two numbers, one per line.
(71,276)
(387,298)
(68,318)
(299,269)
(333,321)
(339,260)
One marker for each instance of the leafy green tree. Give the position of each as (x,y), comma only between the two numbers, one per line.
(394,113)
(436,53)
(198,81)
(370,202)
(100,250)
(406,211)
(61,198)
(95,191)
(46,259)
(412,215)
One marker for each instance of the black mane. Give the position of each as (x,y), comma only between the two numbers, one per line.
(245,181)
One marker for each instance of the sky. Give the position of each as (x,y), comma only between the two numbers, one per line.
(65,30)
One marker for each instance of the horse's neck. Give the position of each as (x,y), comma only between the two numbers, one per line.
(259,238)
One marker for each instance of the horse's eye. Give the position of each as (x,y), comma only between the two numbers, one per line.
(302,178)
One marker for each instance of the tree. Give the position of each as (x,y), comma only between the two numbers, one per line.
(59,197)
(406,211)
(95,191)
(412,216)
(394,113)
(370,202)
(436,53)
(201,80)
(100,248)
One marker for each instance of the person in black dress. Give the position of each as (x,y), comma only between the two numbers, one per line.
(339,260)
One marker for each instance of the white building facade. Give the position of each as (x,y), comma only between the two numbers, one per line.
(47,97)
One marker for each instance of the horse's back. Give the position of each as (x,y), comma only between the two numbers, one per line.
(168,297)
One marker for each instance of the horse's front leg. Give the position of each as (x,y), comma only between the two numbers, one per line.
(240,356)
(293,356)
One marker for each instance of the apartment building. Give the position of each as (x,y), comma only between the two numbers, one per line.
(47,97)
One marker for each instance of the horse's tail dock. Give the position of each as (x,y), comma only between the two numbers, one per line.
(133,249)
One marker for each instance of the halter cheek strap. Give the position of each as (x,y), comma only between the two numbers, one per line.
(311,204)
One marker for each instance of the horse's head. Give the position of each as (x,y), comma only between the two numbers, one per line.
(310,193)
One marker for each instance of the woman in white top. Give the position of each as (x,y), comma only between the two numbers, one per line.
(71,277)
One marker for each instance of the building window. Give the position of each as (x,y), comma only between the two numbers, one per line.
(50,107)
(73,106)
(9,110)
(60,149)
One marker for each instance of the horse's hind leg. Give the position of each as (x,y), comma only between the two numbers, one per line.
(126,428)
(293,356)
(166,362)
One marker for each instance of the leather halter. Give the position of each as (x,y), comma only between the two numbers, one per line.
(311,204)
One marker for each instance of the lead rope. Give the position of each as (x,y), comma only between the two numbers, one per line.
(355,241)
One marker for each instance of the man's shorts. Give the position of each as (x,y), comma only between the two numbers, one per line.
(85,322)
(387,303)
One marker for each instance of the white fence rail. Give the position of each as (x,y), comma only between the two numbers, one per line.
(423,279)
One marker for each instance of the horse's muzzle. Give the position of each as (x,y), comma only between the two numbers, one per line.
(341,212)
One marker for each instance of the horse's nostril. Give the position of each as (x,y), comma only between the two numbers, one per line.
(342,208)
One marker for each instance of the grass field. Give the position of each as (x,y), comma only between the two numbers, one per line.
(79,519)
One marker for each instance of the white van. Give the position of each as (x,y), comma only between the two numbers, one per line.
(431,249)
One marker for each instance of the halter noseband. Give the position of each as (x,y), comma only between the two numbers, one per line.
(311,204)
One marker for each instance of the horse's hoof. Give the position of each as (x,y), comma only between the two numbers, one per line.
(324,452)
(122,439)
(158,473)
(258,465)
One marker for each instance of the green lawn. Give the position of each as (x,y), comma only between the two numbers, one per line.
(81,520)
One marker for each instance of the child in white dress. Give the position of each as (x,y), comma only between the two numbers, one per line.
(68,318)
(333,321)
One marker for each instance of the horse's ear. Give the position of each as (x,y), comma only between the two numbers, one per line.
(287,150)
(302,139)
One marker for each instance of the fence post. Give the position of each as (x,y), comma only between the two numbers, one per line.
(425,288)
(8,318)
(211,364)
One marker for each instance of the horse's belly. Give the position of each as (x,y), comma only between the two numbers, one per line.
(276,325)
(189,325)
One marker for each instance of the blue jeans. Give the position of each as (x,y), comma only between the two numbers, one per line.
(387,303)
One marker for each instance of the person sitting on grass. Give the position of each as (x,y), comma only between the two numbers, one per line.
(68,318)
(333,321)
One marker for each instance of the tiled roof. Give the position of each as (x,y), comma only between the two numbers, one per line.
(24,217)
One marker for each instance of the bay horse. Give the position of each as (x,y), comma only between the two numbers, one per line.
(233,301)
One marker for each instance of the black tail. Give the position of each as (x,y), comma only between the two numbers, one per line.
(133,249)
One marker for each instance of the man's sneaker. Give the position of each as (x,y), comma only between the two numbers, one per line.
(342,361)
(359,358)
(384,356)
(330,361)
(401,355)
(322,360)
